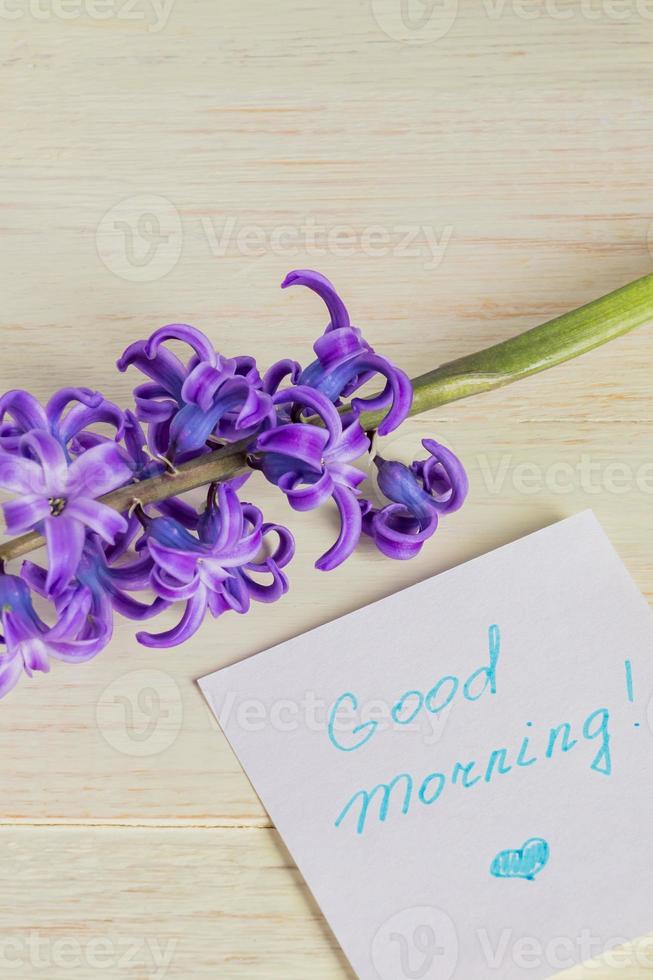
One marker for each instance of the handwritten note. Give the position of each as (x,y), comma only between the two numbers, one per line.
(463,772)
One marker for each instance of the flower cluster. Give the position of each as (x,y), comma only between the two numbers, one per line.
(302,428)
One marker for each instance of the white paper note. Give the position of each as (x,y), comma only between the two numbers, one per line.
(463,772)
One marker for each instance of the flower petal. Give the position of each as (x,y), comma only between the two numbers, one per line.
(306,496)
(305,397)
(189,624)
(153,403)
(80,417)
(80,651)
(271,592)
(99,470)
(137,611)
(339,345)
(222,528)
(213,574)
(34,653)
(442,474)
(163,367)
(236,594)
(201,385)
(399,538)
(400,485)
(49,453)
(35,576)
(74,608)
(105,521)
(325,289)
(199,342)
(285,550)
(62,399)
(21,475)
(276,374)
(350,530)
(172,589)
(399,384)
(25,513)
(298,440)
(347,475)
(65,542)
(25,409)
(352,444)
(180,565)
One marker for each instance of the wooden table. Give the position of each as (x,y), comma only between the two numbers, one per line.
(460,182)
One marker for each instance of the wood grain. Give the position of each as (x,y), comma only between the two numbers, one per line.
(457,192)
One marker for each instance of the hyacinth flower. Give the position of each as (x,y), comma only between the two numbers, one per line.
(184,405)
(106,586)
(67,416)
(57,498)
(311,463)
(30,643)
(420,494)
(211,571)
(304,428)
(345,361)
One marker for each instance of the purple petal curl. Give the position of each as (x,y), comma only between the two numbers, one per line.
(299,441)
(195,339)
(164,368)
(302,396)
(305,492)
(350,530)
(325,289)
(25,410)
(190,622)
(345,361)
(278,373)
(60,401)
(420,494)
(397,535)
(80,418)
(443,476)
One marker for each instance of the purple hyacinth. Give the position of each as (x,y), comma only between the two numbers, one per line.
(68,416)
(57,498)
(108,586)
(302,427)
(345,361)
(310,464)
(420,494)
(30,643)
(185,404)
(212,570)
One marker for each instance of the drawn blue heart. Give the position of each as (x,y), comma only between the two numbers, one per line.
(527,862)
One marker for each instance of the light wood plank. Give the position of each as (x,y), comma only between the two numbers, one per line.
(158,904)
(171,904)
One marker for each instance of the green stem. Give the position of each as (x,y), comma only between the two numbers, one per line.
(562,339)
(559,340)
